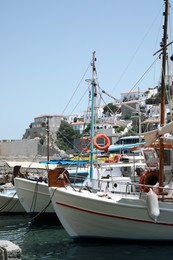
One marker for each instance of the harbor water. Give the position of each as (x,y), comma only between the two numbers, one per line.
(49,241)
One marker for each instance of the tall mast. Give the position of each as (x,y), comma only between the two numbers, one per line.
(48,138)
(162,104)
(93,96)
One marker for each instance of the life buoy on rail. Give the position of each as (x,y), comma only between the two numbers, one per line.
(114,159)
(117,158)
(84,144)
(58,177)
(148,178)
(107,142)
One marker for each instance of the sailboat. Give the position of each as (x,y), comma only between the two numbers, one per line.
(33,193)
(144,213)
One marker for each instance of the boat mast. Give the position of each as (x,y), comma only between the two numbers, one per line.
(93,96)
(162,104)
(48,138)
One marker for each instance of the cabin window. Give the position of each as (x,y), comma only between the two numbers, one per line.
(149,155)
(166,156)
(151,159)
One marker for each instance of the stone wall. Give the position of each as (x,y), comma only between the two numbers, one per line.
(25,148)
(19,148)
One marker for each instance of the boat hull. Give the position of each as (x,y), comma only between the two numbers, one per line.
(9,202)
(34,196)
(88,215)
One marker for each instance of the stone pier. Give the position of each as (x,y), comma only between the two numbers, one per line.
(9,251)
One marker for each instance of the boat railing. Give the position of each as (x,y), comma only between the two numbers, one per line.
(125,186)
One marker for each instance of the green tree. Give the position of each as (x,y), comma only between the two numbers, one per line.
(87,129)
(119,129)
(65,136)
(110,109)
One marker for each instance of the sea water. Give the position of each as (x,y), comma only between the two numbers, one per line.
(49,241)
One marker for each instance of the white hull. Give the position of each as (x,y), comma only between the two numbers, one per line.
(122,217)
(9,202)
(34,196)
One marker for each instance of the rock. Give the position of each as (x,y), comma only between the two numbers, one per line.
(9,251)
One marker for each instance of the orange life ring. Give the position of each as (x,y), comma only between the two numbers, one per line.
(148,178)
(117,158)
(84,141)
(106,146)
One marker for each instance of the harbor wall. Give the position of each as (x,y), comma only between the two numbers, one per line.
(19,148)
(25,149)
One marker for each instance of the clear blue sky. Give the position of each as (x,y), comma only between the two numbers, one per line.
(47,45)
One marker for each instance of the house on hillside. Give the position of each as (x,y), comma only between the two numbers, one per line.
(131,95)
(79,126)
(98,114)
(73,118)
(150,92)
(129,108)
(39,126)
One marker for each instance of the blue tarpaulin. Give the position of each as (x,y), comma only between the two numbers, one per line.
(66,162)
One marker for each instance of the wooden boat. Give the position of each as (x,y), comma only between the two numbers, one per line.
(143,213)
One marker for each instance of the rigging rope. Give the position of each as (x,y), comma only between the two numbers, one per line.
(6,204)
(76,89)
(34,200)
(140,44)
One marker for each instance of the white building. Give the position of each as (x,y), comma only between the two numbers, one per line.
(71,118)
(150,92)
(98,114)
(154,112)
(132,95)
(78,126)
(53,120)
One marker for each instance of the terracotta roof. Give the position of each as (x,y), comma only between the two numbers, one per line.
(150,121)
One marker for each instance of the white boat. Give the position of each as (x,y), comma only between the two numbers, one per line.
(142,214)
(9,198)
(33,193)
(9,202)
(108,213)
(85,214)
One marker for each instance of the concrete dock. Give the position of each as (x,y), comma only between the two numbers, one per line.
(9,251)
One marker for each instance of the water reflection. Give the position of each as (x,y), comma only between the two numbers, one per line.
(52,242)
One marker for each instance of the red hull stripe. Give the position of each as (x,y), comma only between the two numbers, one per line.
(114,216)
